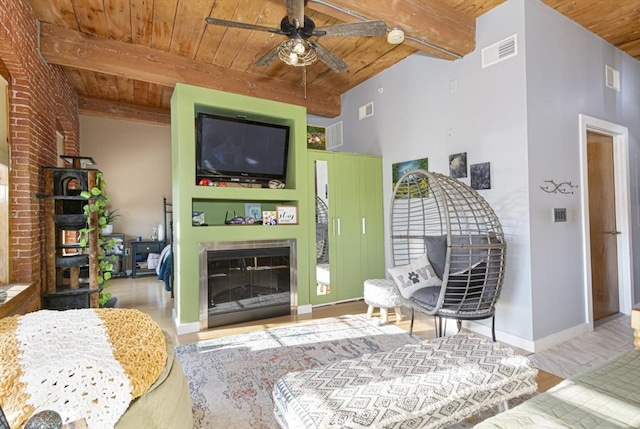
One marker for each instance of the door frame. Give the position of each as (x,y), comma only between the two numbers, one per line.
(620,136)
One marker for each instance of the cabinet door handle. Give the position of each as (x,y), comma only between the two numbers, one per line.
(364,226)
(338,226)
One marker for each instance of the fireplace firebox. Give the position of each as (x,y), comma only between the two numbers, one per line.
(246,280)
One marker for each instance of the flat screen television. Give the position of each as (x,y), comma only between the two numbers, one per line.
(239,149)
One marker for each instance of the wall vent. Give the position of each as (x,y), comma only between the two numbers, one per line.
(500,51)
(612,78)
(365,111)
(334,136)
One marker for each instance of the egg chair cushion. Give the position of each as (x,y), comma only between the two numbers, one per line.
(436,247)
(414,276)
(461,258)
(427,297)
(464,291)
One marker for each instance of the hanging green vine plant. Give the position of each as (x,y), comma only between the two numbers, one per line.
(96,203)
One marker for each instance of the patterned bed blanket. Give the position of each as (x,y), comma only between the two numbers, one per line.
(88,363)
(603,397)
(428,385)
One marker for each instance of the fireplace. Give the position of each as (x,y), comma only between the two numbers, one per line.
(242,281)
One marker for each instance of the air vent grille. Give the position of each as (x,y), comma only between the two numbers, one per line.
(334,136)
(612,78)
(365,111)
(500,51)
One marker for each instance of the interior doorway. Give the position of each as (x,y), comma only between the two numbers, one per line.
(606,225)
(603,234)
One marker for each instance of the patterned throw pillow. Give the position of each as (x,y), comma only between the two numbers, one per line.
(414,276)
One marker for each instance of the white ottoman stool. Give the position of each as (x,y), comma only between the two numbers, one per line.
(383,293)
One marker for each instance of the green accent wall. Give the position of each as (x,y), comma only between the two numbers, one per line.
(186,102)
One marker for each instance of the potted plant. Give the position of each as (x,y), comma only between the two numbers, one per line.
(96,203)
(109,217)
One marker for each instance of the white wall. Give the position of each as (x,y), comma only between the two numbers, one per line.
(521,115)
(135,159)
(566,77)
(417,111)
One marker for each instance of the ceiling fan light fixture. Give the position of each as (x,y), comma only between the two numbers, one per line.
(395,36)
(297,52)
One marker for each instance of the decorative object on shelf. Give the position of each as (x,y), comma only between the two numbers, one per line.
(197,218)
(398,169)
(316,137)
(252,210)
(269,217)
(458,165)
(275,184)
(235,220)
(161,233)
(109,217)
(562,187)
(287,215)
(480,176)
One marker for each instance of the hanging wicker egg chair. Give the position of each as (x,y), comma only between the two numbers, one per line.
(462,238)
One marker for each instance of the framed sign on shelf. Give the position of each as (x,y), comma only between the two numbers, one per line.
(287,215)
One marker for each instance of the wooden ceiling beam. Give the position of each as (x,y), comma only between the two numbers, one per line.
(92,106)
(83,51)
(431,21)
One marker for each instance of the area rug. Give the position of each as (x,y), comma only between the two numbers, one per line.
(231,378)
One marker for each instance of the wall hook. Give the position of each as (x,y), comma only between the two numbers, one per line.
(562,187)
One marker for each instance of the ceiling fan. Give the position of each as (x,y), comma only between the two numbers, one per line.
(298,50)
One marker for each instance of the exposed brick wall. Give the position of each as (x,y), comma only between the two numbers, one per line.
(42,101)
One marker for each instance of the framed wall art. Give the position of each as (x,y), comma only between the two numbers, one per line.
(480,176)
(458,165)
(287,215)
(400,168)
(316,137)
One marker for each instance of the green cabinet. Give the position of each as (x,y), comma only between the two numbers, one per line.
(352,188)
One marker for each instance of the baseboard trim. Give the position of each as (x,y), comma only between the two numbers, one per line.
(549,341)
(184,328)
(535,346)
(503,337)
(305,309)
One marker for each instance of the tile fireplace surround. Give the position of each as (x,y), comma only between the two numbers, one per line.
(240,281)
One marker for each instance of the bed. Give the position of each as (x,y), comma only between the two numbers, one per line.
(605,396)
(115,368)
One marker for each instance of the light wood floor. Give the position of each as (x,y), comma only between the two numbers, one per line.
(147,295)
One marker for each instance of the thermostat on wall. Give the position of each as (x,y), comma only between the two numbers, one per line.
(560,215)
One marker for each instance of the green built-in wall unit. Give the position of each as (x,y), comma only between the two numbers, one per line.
(215,202)
(349,225)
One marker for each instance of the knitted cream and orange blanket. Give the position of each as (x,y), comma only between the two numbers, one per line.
(88,363)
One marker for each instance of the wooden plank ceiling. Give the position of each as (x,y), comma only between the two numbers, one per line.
(125,56)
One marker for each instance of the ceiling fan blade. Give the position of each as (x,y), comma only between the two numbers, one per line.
(295,12)
(268,57)
(363,29)
(329,58)
(234,24)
